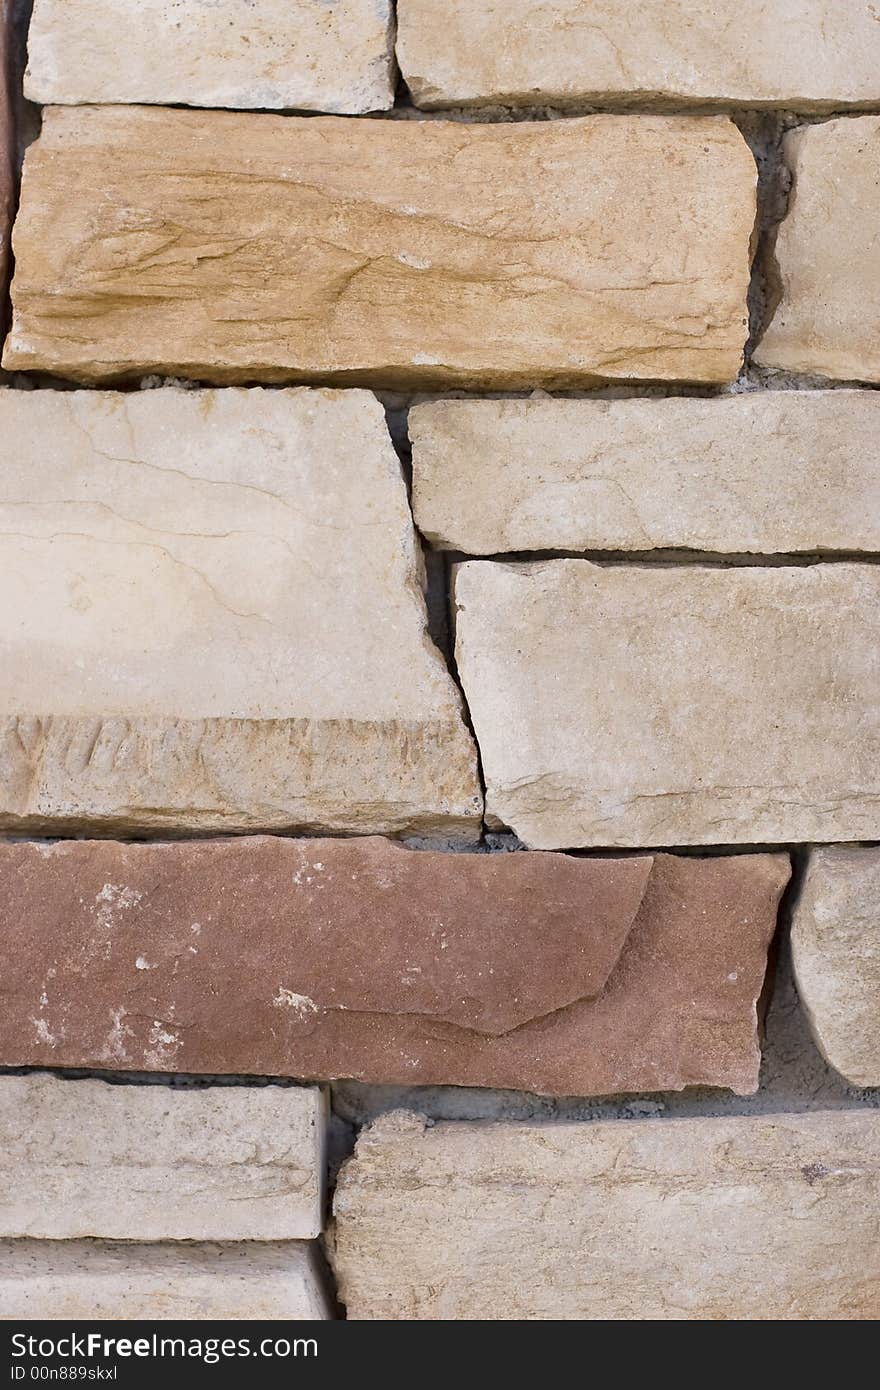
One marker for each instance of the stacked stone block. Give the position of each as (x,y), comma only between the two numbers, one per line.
(98,1180)
(457,671)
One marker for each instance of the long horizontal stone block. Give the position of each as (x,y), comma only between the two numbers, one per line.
(827,322)
(279,53)
(213,620)
(752,1218)
(363,958)
(61,1280)
(761,472)
(811,55)
(835,943)
(155,1163)
(232,247)
(624,705)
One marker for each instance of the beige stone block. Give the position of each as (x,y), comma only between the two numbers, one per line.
(803,54)
(84,1158)
(92,1279)
(765,471)
(278,53)
(214,620)
(835,941)
(828,252)
(748,1218)
(670,705)
(230,247)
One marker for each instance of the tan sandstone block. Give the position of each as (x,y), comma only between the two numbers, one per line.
(254,247)
(828,251)
(358,957)
(806,54)
(631,705)
(278,53)
(771,1217)
(835,941)
(214,620)
(761,472)
(83,1158)
(79,1279)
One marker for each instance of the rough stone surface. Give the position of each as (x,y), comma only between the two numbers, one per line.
(78,1279)
(709,1219)
(152,1163)
(232,247)
(278,53)
(828,252)
(804,54)
(836,951)
(761,472)
(622,705)
(213,620)
(362,958)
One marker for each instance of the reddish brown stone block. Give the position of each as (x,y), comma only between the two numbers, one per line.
(361,958)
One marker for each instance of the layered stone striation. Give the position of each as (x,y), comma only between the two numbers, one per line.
(242,248)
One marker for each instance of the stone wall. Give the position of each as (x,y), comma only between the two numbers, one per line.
(439,723)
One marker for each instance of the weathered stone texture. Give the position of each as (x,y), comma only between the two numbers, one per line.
(362,958)
(73,1279)
(213,620)
(828,252)
(765,1218)
(82,1158)
(836,950)
(278,53)
(760,472)
(622,705)
(255,247)
(809,55)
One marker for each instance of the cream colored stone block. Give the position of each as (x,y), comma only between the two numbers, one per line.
(803,54)
(749,1218)
(765,471)
(76,1280)
(624,705)
(214,620)
(277,53)
(84,1158)
(827,322)
(835,941)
